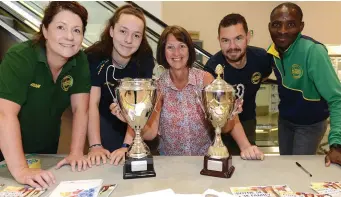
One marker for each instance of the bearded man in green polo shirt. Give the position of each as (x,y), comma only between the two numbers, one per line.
(39,79)
(309,88)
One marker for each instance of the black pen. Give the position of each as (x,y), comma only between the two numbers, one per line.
(299,165)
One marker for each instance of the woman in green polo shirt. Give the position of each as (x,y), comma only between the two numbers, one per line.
(39,79)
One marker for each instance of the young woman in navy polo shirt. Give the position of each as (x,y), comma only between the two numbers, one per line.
(122,51)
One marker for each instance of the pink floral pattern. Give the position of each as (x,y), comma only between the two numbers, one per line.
(183,128)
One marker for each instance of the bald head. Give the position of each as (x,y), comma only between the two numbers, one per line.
(285,25)
(291,7)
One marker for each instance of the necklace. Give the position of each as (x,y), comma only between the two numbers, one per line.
(119,66)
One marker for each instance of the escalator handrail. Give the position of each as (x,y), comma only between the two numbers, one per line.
(114,6)
(145,12)
(164,25)
(13,31)
(161,23)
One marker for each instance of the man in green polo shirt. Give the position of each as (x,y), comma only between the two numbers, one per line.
(39,79)
(309,88)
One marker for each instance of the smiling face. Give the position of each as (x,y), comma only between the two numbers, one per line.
(127,35)
(64,35)
(233,42)
(285,24)
(176,52)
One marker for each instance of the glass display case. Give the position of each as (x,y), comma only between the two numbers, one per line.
(334,52)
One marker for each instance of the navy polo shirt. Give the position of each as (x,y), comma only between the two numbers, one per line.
(257,68)
(142,68)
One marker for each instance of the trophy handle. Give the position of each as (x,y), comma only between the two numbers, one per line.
(200,101)
(158,97)
(240,89)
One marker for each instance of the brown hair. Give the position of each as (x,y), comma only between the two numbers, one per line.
(233,19)
(105,45)
(53,8)
(181,35)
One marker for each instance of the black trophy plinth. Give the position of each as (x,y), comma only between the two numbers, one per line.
(138,168)
(222,168)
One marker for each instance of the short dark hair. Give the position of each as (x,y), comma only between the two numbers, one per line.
(181,35)
(290,6)
(52,9)
(233,19)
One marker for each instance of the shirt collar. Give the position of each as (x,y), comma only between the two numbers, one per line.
(273,51)
(41,51)
(191,79)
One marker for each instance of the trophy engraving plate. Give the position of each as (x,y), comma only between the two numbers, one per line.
(138,165)
(215,165)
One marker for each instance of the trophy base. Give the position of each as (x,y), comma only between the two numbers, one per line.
(222,168)
(138,168)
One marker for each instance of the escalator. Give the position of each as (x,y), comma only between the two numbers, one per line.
(12,30)
(29,14)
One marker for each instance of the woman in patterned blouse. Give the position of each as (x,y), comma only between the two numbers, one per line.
(178,118)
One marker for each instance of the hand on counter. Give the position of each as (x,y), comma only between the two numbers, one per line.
(96,154)
(34,177)
(116,110)
(118,155)
(80,160)
(252,153)
(333,156)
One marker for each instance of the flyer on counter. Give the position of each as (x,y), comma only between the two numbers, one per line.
(21,191)
(106,190)
(261,191)
(78,188)
(331,188)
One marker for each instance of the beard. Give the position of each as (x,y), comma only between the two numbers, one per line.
(236,58)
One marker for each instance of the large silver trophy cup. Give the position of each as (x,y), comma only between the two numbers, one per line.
(136,98)
(219,100)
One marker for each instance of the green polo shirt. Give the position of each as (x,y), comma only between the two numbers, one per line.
(26,79)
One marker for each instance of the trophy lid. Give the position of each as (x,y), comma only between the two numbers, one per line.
(219,84)
(137,84)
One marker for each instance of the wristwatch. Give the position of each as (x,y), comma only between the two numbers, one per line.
(125,145)
(337,146)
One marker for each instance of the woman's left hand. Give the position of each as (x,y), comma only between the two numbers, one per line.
(116,110)
(80,160)
(252,153)
(118,156)
(97,154)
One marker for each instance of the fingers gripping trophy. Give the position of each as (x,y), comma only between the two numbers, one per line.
(136,98)
(219,103)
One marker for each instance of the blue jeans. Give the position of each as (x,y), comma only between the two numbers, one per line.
(295,139)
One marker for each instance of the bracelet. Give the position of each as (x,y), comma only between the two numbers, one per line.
(94,145)
(125,145)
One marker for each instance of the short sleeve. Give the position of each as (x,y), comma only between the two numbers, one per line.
(82,81)
(267,67)
(16,73)
(94,70)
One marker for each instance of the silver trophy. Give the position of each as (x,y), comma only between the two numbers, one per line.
(219,100)
(136,98)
